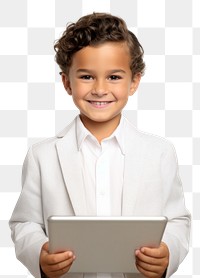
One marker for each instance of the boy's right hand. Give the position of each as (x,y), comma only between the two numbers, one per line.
(55,265)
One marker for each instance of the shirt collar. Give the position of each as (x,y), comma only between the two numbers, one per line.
(82,133)
(119,134)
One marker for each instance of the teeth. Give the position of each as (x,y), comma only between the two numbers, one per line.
(100,102)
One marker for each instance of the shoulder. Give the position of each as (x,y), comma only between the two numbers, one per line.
(144,139)
(49,144)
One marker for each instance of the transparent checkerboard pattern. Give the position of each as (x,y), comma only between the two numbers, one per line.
(34,105)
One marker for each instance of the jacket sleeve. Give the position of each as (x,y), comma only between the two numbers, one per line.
(177,232)
(26,223)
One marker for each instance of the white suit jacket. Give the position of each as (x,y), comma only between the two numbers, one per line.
(52,185)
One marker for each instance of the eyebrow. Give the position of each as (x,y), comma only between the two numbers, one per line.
(109,71)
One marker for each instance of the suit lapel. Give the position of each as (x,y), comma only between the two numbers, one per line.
(134,156)
(70,163)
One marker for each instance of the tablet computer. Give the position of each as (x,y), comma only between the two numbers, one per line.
(104,244)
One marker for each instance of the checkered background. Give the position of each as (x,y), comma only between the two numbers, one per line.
(34,105)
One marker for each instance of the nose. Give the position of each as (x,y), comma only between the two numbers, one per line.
(99,88)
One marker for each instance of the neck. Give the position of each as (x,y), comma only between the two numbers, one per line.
(101,130)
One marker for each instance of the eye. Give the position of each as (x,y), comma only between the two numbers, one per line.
(114,77)
(86,77)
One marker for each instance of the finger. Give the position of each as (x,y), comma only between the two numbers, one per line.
(57,270)
(148,266)
(161,252)
(145,272)
(59,273)
(151,265)
(147,259)
(52,259)
(61,265)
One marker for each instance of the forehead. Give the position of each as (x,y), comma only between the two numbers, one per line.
(109,54)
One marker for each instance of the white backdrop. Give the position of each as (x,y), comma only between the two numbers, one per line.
(34,105)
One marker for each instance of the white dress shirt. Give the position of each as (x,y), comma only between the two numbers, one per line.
(103,171)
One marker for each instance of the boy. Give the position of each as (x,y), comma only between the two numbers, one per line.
(100,164)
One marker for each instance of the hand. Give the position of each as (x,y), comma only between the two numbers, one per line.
(152,262)
(55,265)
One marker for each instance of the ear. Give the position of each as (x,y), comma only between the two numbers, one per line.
(135,83)
(66,83)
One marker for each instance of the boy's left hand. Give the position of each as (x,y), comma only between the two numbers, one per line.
(152,262)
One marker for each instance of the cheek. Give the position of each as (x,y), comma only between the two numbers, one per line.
(80,89)
(122,92)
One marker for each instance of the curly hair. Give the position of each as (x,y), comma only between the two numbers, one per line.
(93,30)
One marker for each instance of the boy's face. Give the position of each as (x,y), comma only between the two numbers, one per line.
(100,82)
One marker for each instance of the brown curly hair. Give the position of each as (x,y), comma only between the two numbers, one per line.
(95,29)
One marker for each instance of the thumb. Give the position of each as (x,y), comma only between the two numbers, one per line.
(45,247)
